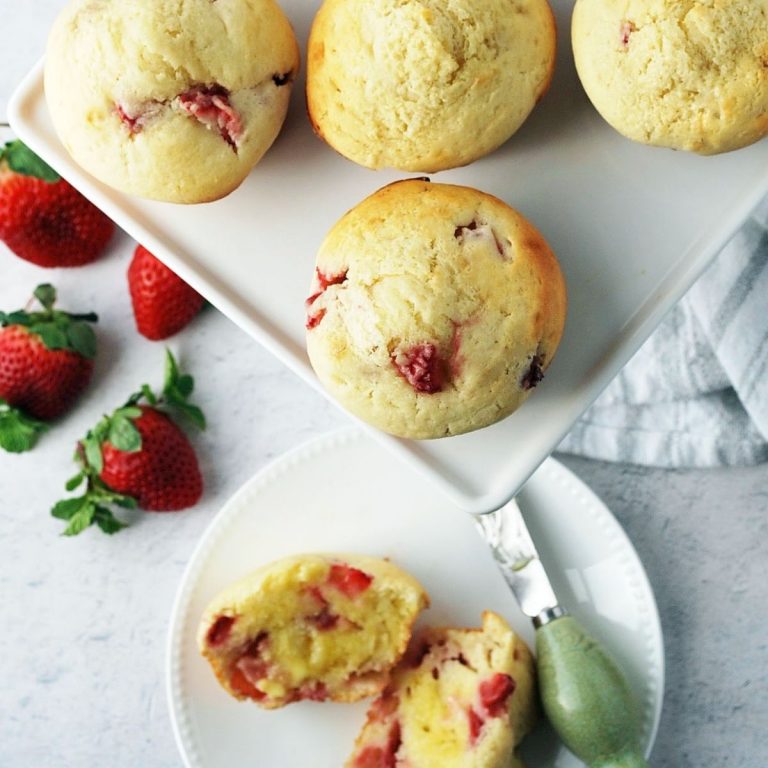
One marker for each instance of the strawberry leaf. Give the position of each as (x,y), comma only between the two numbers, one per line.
(23,160)
(56,329)
(124,435)
(171,371)
(18,432)
(149,395)
(81,519)
(75,482)
(20,317)
(127,412)
(92,448)
(50,335)
(192,412)
(67,508)
(176,390)
(184,385)
(45,293)
(107,521)
(82,339)
(126,502)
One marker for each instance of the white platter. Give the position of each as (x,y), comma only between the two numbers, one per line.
(345,492)
(633,227)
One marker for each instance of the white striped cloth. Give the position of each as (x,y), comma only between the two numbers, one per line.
(696,394)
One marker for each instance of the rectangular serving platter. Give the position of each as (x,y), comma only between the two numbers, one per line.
(633,227)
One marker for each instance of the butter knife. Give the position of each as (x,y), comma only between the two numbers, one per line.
(584,693)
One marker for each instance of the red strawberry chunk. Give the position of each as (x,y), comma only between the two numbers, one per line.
(250,668)
(220,630)
(475,725)
(136,117)
(626,29)
(131,122)
(349,581)
(313,692)
(323,280)
(253,668)
(494,692)
(383,708)
(240,683)
(210,105)
(314,320)
(324,620)
(422,367)
(381,756)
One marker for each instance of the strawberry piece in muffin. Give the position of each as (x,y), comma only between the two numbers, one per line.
(311,627)
(462,698)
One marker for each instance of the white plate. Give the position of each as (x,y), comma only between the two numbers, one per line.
(633,227)
(344,492)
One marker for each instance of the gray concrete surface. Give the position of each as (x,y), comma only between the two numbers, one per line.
(703,538)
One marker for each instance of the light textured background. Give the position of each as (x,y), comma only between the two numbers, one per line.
(81,654)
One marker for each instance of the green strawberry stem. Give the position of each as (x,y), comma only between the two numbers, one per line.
(18,432)
(21,159)
(121,432)
(55,328)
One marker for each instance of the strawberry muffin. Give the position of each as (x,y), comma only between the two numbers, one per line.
(422,85)
(434,309)
(462,698)
(690,76)
(166,100)
(319,627)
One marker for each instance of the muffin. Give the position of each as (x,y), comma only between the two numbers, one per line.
(318,627)
(424,86)
(690,76)
(434,309)
(170,101)
(462,698)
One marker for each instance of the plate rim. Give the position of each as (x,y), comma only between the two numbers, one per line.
(282,464)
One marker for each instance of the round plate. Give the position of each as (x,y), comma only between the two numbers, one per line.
(346,493)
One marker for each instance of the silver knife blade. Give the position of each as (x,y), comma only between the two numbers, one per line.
(516,555)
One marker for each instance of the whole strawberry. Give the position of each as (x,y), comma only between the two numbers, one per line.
(136,457)
(162,302)
(42,218)
(46,361)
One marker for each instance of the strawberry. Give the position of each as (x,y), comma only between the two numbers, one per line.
(163,475)
(162,302)
(42,218)
(46,361)
(348,580)
(136,457)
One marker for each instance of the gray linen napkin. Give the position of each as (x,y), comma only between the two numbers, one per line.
(696,394)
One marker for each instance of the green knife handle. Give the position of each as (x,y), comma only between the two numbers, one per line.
(586,697)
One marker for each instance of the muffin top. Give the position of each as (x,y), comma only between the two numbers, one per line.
(426,85)
(170,100)
(434,309)
(688,75)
